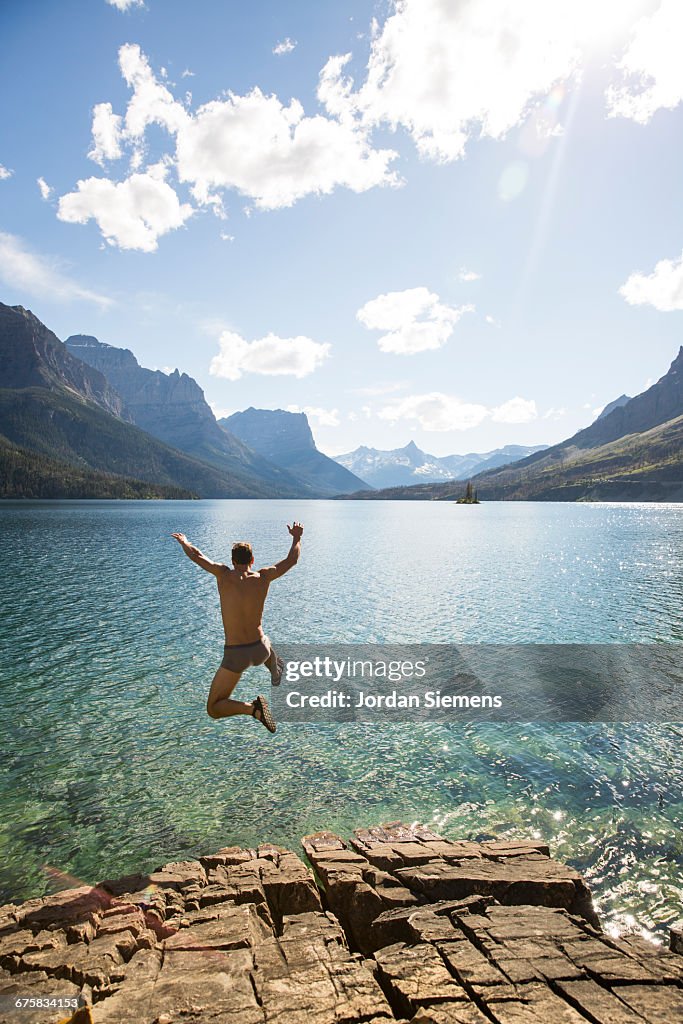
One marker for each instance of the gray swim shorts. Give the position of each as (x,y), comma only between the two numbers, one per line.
(238,657)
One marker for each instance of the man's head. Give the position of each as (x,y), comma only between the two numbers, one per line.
(242,555)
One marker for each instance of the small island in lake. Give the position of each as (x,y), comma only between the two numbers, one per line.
(470,496)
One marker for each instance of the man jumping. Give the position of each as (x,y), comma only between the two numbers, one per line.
(243,593)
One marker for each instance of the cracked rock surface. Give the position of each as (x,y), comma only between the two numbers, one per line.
(398,925)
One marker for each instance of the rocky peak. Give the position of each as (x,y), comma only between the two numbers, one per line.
(616,404)
(661,402)
(272,431)
(676,367)
(147,393)
(172,407)
(286,439)
(32,356)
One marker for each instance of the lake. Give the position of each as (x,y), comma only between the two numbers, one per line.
(110,638)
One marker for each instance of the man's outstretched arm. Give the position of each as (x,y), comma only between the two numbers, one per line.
(195,555)
(273,572)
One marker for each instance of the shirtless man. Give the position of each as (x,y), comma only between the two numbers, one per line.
(243,593)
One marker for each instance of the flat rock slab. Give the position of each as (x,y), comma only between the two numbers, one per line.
(238,927)
(657,1005)
(510,881)
(404,927)
(451,1013)
(417,976)
(426,868)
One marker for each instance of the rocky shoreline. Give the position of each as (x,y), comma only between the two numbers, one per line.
(397,925)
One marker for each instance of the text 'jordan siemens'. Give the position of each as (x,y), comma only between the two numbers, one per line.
(392,700)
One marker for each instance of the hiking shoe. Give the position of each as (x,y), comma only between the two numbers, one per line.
(261,712)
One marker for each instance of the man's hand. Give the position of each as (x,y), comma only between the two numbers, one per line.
(188,548)
(273,572)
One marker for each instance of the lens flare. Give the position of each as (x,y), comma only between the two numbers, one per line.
(513,180)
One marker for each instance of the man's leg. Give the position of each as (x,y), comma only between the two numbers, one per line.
(219,703)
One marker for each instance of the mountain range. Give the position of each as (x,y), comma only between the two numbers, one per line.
(633,451)
(410,465)
(85,417)
(172,408)
(53,404)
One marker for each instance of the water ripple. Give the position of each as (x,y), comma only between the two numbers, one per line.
(110,639)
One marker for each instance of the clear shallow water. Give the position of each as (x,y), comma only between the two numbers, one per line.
(110,638)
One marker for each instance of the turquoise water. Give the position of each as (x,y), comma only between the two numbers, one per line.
(110,638)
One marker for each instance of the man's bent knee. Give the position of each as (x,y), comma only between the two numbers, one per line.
(212,710)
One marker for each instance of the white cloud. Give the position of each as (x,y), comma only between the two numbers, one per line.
(651,66)
(151,102)
(447,72)
(286,46)
(439,412)
(321,417)
(5,173)
(554,413)
(516,410)
(40,275)
(125,5)
(273,153)
(225,237)
(415,318)
(492,320)
(296,357)
(106,134)
(469,275)
(663,288)
(444,72)
(187,73)
(132,214)
(451,72)
(436,411)
(45,189)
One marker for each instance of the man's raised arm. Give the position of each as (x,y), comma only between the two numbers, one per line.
(195,555)
(273,572)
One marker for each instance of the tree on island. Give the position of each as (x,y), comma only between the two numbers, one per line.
(470,496)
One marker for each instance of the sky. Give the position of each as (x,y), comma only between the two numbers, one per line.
(457,222)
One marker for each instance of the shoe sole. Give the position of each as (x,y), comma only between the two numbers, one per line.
(280,665)
(266,718)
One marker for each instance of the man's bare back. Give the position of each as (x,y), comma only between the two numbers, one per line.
(242,594)
(243,591)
